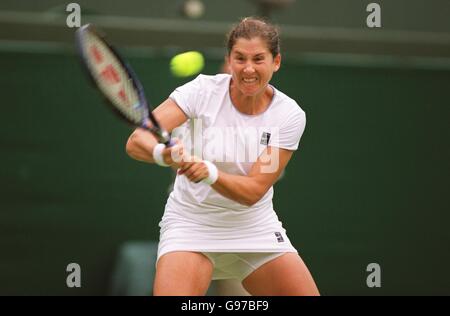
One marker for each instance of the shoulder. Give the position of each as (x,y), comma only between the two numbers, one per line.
(203,84)
(196,96)
(213,81)
(287,107)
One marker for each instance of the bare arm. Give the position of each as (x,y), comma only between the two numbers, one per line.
(248,189)
(141,142)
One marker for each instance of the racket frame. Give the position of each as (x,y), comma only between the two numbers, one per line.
(149,123)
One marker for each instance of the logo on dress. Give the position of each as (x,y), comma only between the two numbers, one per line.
(279,237)
(265,138)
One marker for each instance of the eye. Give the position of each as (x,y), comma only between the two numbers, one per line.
(259,58)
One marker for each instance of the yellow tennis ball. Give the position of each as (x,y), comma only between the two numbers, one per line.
(187,64)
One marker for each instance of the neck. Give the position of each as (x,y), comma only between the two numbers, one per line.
(251,105)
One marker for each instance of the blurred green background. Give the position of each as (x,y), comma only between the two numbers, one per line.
(369,182)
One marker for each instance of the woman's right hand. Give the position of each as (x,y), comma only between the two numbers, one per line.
(174,155)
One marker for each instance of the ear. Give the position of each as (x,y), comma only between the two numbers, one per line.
(226,65)
(277,62)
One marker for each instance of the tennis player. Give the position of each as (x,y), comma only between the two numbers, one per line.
(219,221)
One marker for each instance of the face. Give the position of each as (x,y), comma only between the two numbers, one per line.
(252,65)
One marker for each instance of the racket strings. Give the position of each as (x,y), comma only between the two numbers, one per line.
(112,79)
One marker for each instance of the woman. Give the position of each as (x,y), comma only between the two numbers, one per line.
(219,221)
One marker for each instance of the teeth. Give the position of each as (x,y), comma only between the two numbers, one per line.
(246,80)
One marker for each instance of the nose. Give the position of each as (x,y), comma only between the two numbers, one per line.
(249,68)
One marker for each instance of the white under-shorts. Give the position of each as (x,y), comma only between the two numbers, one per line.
(238,265)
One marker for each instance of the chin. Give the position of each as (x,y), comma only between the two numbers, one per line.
(250,92)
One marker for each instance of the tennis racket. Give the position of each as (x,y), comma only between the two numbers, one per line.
(117,82)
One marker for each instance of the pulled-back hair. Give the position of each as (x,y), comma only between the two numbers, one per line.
(251,27)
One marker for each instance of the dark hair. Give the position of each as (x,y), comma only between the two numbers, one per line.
(251,27)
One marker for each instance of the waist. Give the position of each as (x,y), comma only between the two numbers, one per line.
(219,214)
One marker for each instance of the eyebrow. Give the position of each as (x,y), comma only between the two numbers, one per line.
(257,55)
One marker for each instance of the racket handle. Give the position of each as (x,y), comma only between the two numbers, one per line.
(161,135)
(170,143)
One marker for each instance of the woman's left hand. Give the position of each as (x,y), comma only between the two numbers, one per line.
(195,170)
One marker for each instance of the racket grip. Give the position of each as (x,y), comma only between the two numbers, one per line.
(170,143)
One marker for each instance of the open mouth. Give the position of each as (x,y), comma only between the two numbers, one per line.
(249,80)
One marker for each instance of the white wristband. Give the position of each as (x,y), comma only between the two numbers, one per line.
(212,171)
(157,155)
